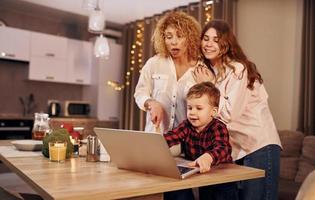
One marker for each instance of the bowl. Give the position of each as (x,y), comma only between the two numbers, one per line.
(28,145)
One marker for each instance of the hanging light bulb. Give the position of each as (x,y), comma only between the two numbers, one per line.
(96,20)
(101,47)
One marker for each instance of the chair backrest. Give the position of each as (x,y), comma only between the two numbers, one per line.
(307,190)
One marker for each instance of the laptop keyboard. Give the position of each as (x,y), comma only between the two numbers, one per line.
(183,169)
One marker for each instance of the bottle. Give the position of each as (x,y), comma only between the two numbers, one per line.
(41,126)
(75,142)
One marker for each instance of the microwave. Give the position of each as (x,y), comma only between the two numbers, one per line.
(77,108)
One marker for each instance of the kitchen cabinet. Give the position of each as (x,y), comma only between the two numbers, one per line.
(50,46)
(59,59)
(100,92)
(48,58)
(15,44)
(79,62)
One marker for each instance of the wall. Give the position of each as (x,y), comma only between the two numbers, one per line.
(14,84)
(270,33)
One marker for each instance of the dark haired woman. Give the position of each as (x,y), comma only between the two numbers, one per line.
(243,106)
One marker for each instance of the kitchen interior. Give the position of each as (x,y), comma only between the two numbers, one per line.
(55,69)
(36,79)
(49,65)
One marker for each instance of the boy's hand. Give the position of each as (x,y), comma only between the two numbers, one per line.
(204,162)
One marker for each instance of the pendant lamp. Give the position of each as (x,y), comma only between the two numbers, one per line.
(101,47)
(96,20)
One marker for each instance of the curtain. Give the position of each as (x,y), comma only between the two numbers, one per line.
(138,48)
(307,111)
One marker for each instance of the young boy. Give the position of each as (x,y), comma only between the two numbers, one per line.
(205,140)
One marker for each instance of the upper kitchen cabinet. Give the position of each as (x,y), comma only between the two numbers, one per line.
(79,62)
(48,58)
(15,44)
(50,46)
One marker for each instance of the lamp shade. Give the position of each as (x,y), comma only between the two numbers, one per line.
(96,21)
(101,47)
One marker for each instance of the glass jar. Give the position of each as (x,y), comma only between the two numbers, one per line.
(41,126)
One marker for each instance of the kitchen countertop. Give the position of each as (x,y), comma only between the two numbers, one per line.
(16,116)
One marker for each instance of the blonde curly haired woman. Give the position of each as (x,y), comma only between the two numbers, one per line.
(166,77)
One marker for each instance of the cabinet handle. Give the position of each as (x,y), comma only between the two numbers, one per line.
(4,54)
(79,80)
(50,54)
(50,77)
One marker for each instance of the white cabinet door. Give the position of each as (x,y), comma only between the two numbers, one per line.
(79,62)
(14,44)
(47,69)
(48,58)
(45,45)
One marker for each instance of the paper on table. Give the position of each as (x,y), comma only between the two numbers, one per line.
(11,151)
(104,156)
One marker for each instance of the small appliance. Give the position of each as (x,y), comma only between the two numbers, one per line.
(54,108)
(77,109)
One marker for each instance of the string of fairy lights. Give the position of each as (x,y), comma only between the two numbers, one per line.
(208,11)
(136,51)
(136,54)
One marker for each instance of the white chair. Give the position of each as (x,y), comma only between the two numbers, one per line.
(307,190)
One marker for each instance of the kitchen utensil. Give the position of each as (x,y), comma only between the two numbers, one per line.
(54,108)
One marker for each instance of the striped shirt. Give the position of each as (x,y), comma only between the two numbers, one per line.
(213,139)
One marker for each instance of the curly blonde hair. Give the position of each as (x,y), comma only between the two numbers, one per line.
(186,25)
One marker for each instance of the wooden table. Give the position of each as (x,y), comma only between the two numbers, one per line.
(77,179)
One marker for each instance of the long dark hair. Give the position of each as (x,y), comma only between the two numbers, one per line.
(230,50)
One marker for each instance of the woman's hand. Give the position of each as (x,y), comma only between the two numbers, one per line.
(204,162)
(156,111)
(202,74)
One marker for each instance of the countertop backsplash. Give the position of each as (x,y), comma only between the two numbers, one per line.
(14,84)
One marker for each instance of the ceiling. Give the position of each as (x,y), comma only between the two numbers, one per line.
(118,11)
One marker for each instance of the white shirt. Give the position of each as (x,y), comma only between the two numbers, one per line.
(246,113)
(158,81)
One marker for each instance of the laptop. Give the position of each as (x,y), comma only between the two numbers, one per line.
(142,152)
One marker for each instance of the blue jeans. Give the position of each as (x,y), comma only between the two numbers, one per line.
(268,159)
(224,191)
